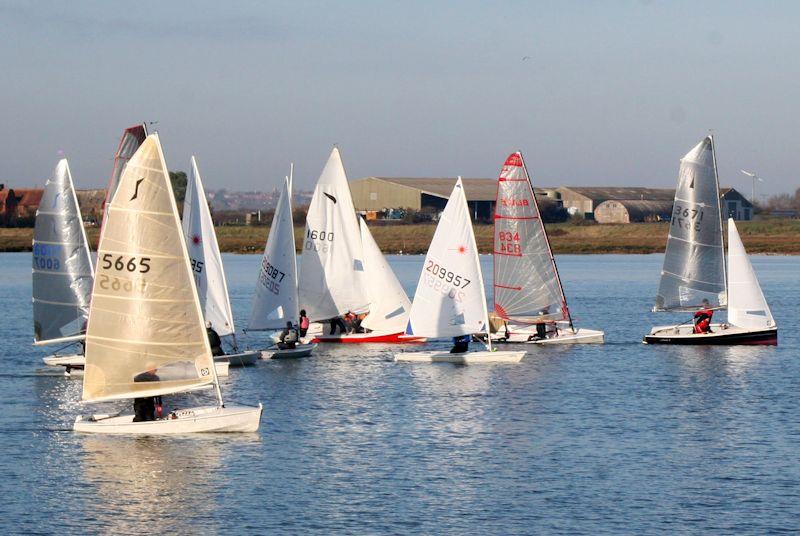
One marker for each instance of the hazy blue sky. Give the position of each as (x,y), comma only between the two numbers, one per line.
(613,93)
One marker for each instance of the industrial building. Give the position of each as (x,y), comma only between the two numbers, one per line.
(632,204)
(431,194)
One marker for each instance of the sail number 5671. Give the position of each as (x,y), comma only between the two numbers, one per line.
(443,273)
(122,264)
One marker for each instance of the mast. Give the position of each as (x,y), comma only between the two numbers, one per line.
(719,210)
(547,241)
(480,274)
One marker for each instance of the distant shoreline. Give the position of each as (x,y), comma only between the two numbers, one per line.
(779,237)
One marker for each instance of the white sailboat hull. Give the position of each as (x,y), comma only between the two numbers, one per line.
(57,360)
(302,350)
(564,336)
(76,370)
(466,358)
(242,359)
(186,421)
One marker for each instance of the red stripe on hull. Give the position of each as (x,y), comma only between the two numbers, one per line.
(396,338)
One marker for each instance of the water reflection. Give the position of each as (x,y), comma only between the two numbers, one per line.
(165,484)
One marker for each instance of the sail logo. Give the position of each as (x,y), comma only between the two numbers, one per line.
(136,190)
(511,202)
(514,160)
(329,196)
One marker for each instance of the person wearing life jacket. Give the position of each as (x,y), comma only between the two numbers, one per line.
(303,323)
(702,318)
(289,337)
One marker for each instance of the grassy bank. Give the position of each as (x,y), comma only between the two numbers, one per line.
(770,236)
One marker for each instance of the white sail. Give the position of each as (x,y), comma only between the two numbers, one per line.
(527,288)
(145,315)
(201,241)
(747,307)
(694,262)
(331,271)
(450,298)
(389,305)
(275,301)
(62,264)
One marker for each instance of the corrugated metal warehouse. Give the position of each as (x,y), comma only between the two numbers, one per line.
(632,210)
(382,193)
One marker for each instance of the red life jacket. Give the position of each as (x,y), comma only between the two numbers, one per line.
(303,322)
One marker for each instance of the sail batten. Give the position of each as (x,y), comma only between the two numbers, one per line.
(145,332)
(275,301)
(693,274)
(331,272)
(526,282)
(205,257)
(62,269)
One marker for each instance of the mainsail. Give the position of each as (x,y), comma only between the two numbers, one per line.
(331,271)
(275,301)
(747,307)
(450,299)
(132,138)
(146,335)
(527,288)
(694,263)
(389,305)
(62,264)
(201,241)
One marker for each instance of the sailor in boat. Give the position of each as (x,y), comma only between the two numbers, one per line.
(289,337)
(303,323)
(214,341)
(338,322)
(702,318)
(460,344)
(147,408)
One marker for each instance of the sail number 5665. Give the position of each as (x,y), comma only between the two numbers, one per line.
(122,264)
(443,273)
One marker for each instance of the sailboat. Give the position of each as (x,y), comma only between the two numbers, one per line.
(529,298)
(209,275)
(693,276)
(450,300)
(333,275)
(146,336)
(275,301)
(62,269)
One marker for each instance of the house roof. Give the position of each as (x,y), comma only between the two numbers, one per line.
(599,194)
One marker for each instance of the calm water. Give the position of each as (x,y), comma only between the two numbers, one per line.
(620,438)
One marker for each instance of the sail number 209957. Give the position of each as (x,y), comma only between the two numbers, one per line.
(443,273)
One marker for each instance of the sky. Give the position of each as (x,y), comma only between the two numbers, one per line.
(593,93)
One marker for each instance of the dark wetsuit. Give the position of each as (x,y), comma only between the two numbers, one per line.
(460,344)
(215,342)
(144,409)
(338,323)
